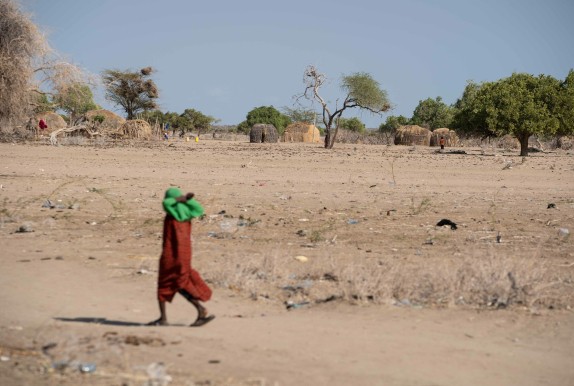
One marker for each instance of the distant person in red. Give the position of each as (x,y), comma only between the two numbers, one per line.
(42,124)
(441,142)
(175,272)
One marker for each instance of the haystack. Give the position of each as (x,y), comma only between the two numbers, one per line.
(110,124)
(137,129)
(53,120)
(450,137)
(411,135)
(301,132)
(263,133)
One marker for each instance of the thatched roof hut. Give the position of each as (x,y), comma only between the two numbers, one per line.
(136,128)
(52,119)
(301,132)
(450,137)
(566,142)
(412,135)
(263,133)
(111,121)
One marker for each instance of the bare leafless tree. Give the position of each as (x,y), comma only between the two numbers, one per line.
(28,66)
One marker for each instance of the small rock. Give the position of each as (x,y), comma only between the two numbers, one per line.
(563,232)
(302,259)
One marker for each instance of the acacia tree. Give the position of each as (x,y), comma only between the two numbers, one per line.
(300,115)
(76,100)
(134,91)
(432,114)
(362,91)
(29,68)
(196,120)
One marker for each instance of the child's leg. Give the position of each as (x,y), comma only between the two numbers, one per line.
(162,321)
(201,310)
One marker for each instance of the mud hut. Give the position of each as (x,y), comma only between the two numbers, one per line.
(301,132)
(411,135)
(135,129)
(104,120)
(450,137)
(53,120)
(263,133)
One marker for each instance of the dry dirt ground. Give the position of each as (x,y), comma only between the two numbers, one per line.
(327,266)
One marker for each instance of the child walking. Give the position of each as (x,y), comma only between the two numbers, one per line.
(175,272)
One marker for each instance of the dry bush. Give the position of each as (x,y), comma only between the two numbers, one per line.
(136,129)
(353,137)
(28,66)
(486,281)
(20,42)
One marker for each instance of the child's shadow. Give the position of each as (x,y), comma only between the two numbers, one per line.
(103,321)
(106,322)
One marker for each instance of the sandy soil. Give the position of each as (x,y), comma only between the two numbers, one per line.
(78,281)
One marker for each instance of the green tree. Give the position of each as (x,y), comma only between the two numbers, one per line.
(361,91)
(521,105)
(432,114)
(470,110)
(133,91)
(392,123)
(198,121)
(565,108)
(75,100)
(265,114)
(300,115)
(352,124)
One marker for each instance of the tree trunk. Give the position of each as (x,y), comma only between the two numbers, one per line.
(523,138)
(327,138)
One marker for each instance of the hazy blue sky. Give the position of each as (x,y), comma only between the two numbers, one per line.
(226,57)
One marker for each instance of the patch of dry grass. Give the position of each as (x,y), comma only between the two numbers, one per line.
(484,281)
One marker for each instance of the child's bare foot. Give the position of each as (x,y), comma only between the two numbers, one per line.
(159,322)
(201,320)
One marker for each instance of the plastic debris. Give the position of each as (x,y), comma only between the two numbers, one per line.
(563,232)
(446,221)
(352,221)
(157,375)
(87,367)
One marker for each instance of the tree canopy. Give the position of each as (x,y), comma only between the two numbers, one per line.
(265,114)
(134,91)
(521,105)
(361,91)
(76,100)
(352,124)
(432,114)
